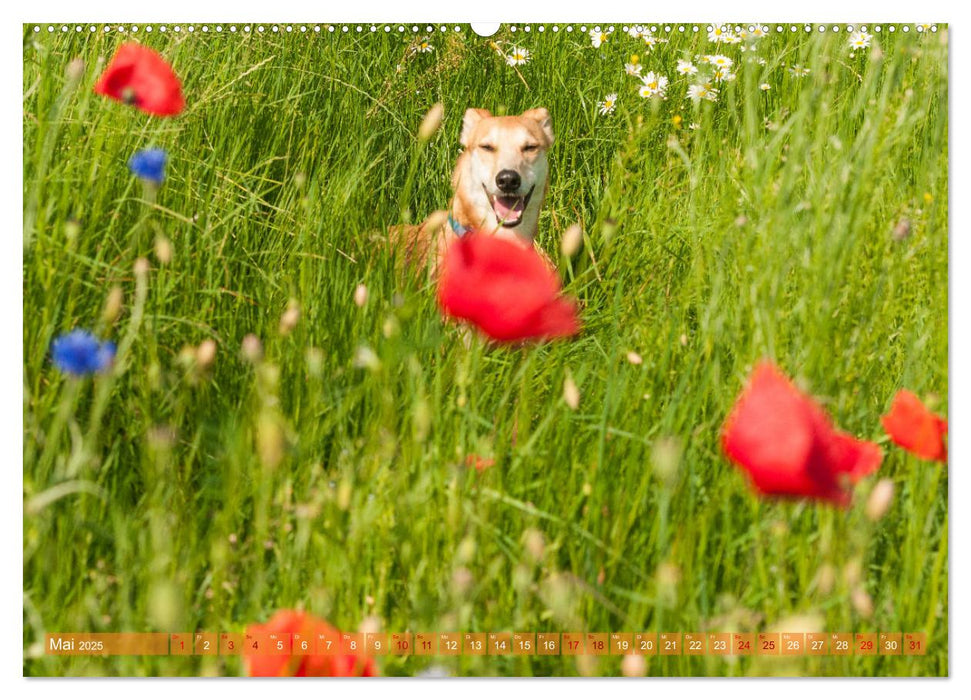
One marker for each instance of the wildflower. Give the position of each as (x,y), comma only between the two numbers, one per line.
(360,295)
(723,75)
(650,40)
(80,352)
(517,57)
(633,69)
(765,87)
(686,67)
(139,76)
(798,71)
(287,622)
(424,47)
(655,85)
(506,290)
(289,318)
(731,38)
(787,444)
(149,165)
(637,32)
(860,40)
(598,38)
(480,464)
(913,427)
(718,61)
(206,353)
(609,103)
(717,34)
(251,348)
(694,126)
(702,91)
(758,31)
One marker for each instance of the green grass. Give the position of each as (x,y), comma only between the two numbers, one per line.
(164,498)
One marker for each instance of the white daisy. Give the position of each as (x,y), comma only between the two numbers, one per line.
(798,71)
(633,69)
(694,126)
(765,87)
(650,40)
(517,56)
(686,67)
(860,40)
(757,32)
(702,92)
(598,38)
(717,34)
(718,61)
(608,104)
(637,32)
(424,47)
(655,85)
(723,75)
(730,38)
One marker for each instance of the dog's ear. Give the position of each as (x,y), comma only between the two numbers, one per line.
(542,117)
(469,121)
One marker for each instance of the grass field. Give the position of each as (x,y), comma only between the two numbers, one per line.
(805,223)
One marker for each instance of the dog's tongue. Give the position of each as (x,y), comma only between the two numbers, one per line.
(508,208)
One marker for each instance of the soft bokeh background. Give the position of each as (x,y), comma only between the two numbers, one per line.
(806,223)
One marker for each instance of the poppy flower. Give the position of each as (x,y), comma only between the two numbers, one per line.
(913,427)
(787,444)
(505,289)
(480,464)
(80,352)
(139,76)
(295,621)
(149,165)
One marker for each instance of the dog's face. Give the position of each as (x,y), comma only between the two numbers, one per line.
(506,167)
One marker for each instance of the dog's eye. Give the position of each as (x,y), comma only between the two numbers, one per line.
(530,147)
(488,148)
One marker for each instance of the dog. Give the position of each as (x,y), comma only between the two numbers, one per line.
(499,185)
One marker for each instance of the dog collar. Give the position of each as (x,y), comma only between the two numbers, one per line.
(459,229)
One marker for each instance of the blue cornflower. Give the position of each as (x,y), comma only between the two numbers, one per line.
(149,164)
(80,352)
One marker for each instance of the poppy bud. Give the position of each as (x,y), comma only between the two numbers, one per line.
(288,321)
(112,305)
(206,353)
(252,349)
(571,241)
(880,500)
(431,122)
(571,394)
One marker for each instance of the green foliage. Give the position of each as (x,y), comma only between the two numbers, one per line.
(171,497)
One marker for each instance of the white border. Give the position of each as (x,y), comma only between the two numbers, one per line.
(548,11)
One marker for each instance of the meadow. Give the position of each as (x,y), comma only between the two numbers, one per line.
(801,216)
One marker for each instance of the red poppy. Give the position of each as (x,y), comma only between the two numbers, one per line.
(295,621)
(505,289)
(479,463)
(913,427)
(138,76)
(787,444)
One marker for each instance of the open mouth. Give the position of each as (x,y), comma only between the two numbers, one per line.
(509,209)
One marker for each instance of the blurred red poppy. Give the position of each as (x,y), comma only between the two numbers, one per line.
(787,444)
(479,463)
(505,289)
(295,621)
(916,429)
(138,76)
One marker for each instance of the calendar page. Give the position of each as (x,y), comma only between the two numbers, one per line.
(595,348)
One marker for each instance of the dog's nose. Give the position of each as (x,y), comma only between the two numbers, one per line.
(508,180)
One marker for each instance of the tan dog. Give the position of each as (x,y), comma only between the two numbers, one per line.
(499,185)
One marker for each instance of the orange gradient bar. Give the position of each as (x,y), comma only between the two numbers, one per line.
(106,644)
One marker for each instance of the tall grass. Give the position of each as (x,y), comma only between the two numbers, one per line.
(168,497)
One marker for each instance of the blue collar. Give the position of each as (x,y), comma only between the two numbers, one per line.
(459,229)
